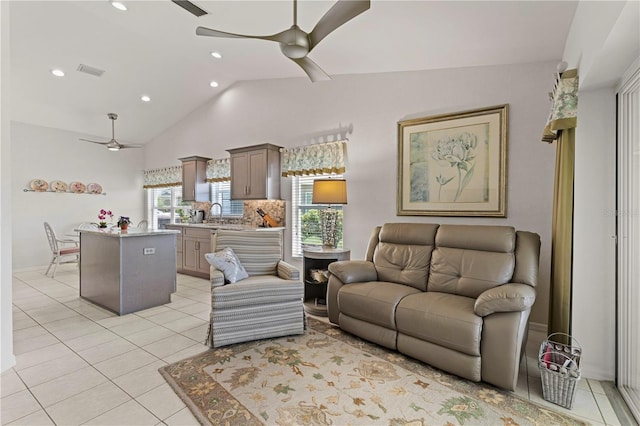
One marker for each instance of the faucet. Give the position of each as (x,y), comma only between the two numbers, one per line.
(211,211)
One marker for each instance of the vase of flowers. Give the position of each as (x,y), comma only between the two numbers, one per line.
(123,222)
(102,217)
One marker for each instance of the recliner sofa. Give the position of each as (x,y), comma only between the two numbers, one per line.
(457,297)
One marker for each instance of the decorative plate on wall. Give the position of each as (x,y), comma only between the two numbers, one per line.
(77,187)
(39,185)
(94,188)
(58,186)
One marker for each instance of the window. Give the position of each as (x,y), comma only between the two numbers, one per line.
(165,205)
(221,193)
(306,228)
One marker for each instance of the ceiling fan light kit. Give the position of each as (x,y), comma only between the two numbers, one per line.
(295,43)
(113,144)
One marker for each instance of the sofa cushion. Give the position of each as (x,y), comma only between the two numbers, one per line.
(468,272)
(373,301)
(444,319)
(469,259)
(227,262)
(258,251)
(403,253)
(501,239)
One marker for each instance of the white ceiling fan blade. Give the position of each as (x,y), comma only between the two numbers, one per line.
(340,13)
(134,145)
(203,31)
(101,143)
(312,69)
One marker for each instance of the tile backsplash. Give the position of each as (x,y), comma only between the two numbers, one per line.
(274,208)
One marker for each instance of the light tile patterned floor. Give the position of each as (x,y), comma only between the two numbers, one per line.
(80,364)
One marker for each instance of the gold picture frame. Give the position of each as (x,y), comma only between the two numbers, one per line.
(454,164)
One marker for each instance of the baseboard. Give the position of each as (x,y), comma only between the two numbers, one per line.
(30,269)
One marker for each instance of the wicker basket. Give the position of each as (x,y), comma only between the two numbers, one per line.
(559,365)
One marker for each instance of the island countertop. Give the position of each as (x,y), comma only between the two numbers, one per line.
(131,232)
(232,227)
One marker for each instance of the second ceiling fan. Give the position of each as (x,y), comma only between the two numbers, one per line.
(113,144)
(296,43)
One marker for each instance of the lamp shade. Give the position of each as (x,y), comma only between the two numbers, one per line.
(329,191)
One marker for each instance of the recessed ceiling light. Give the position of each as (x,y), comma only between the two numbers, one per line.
(214,84)
(118,5)
(57,72)
(216,55)
(145,98)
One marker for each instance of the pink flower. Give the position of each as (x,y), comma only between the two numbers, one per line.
(102,215)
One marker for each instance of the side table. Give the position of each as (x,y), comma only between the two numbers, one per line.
(316,262)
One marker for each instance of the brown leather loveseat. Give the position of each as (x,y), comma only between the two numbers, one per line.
(457,297)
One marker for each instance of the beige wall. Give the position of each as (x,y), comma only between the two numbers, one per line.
(293,112)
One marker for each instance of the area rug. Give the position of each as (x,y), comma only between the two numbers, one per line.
(329,377)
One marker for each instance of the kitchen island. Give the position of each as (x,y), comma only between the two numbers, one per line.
(127,271)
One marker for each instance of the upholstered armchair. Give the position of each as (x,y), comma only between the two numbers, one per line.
(267,303)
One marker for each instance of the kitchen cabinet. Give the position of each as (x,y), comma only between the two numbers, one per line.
(255,172)
(194,174)
(193,244)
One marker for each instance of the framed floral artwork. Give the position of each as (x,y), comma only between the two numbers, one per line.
(454,164)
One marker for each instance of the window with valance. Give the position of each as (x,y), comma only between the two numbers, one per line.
(159,178)
(318,159)
(219,170)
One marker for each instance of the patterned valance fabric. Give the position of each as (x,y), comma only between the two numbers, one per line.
(564,106)
(219,170)
(318,159)
(158,178)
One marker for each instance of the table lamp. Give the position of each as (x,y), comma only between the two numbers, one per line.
(329,191)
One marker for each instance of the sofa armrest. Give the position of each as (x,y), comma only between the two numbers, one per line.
(353,271)
(512,297)
(287,271)
(216,277)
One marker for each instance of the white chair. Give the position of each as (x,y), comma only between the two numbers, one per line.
(72,254)
(143,224)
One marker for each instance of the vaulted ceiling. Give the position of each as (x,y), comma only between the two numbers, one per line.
(152,49)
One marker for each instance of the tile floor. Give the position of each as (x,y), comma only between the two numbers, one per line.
(80,364)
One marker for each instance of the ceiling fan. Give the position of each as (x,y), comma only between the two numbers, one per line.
(113,144)
(297,44)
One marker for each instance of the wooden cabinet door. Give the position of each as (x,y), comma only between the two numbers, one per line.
(239,175)
(189,180)
(204,248)
(190,254)
(257,174)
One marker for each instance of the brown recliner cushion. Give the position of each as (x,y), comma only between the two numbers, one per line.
(403,253)
(468,260)
(444,319)
(374,302)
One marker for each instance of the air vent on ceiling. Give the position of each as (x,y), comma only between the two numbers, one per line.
(190,7)
(90,70)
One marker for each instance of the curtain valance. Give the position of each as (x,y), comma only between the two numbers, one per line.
(168,176)
(564,106)
(219,170)
(322,158)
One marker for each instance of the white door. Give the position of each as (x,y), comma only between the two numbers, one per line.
(628,365)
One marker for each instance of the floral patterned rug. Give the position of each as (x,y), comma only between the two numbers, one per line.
(329,377)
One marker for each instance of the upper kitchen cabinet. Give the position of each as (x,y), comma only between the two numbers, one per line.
(194,174)
(255,172)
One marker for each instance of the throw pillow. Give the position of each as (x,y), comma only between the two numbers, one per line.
(227,261)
